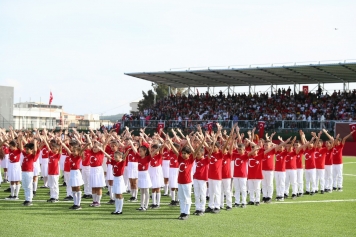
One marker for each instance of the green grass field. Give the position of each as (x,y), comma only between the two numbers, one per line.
(331,214)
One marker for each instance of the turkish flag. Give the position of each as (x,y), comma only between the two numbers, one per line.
(160,126)
(353,128)
(118,127)
(306,90)
(50,98)
(261,127)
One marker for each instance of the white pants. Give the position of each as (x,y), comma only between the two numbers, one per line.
(86,179)
(300,180)
(291,180)
(67,180)
(320,179)
(27,180)
(310,184)
(240,185)
(44,167)
(255,189)
(337,176)
(185,199)
(328,177)
(226,190)
(53,186)
(267,183)
(214,193)
(280,178)
(199,193)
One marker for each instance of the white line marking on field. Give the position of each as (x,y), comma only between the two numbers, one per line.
(295,202)
(349,163)
(350,174)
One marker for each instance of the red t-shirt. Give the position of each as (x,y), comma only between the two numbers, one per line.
(240,162)
(15,156)
(280,161)
(268,161)
(201,169)
(143,163)
(215,166)
(174,160)
(86,160)
(96,159)
(131,157)
(67,164)
(75,162)
(6,149)
(53,159)
(28,160)
(291,161)
(110,152)
(309,155)
(185,169)
(166,154)
(226,166)
(329,157)
(45,153)
(320,156)
(337,154)
(255,167)
(299,160)
(156,160)
(118,167)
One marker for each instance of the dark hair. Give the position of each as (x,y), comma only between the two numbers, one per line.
(13,143)
(30,146)
(241,146)
(155,146)
(55,146)
(147,152)
(186,149)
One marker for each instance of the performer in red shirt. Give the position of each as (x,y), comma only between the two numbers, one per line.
(240,159)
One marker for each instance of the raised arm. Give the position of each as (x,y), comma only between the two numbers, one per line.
(345,138)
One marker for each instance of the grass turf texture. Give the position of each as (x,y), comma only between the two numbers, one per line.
(331,214)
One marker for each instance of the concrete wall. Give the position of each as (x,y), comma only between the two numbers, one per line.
(6,106)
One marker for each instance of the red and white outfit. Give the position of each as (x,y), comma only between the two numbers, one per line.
(337,166)
(67,176)
(255,176)
(200,178)
(86,172)
(14,171)
(300,180)
(109,171)
(27,174)
(215,177)
(320,156)
(53,174)
(155,171)
(280,173)
(118,168)
(329,169)
(97,179)
(268,171)
(5,162)
(291,173)
(240,177)
(44,165)
(310,172)
(62,160)
(226,180)
(132,166)
(144,180)
(166,163)
(173,171)
(185,183)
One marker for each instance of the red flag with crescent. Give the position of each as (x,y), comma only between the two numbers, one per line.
(118,127)
(261,127)
(353,128)
(306,90)
(209,126)
(160,126)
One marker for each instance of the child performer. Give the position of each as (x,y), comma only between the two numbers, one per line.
(14,170)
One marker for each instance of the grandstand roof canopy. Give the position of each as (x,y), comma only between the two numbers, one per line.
(254,76)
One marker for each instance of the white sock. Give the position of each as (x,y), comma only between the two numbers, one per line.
(94,197)
(133,192)
(116,204)
(173,193)
(5,175)
(74,197)
(35,185)
(142,197)
(111,194)
(154,198)
(12,189)
(121,204)
(136,192)
(79,197)
(147,198)
(158,195)
(45,181)
(99,198)
(165,189)
(17,190)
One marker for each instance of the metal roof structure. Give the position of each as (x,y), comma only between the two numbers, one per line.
(341,72)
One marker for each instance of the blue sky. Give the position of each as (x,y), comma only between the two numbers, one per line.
(81,49)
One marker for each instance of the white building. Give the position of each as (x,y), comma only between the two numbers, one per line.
(6,106)
(36,115)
